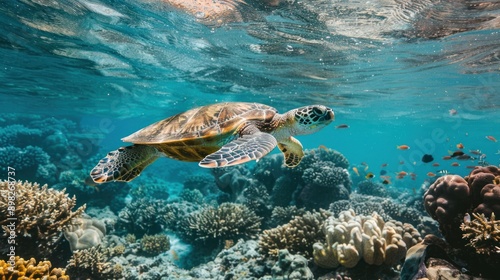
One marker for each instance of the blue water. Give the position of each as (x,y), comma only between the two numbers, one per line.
(113,67)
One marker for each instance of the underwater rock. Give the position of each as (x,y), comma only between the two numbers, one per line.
(350,238)
(42,213)
(290,267)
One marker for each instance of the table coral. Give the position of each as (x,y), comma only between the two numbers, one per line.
(350,238)
(42,213)
(29,269)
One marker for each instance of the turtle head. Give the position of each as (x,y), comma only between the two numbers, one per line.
(309,119)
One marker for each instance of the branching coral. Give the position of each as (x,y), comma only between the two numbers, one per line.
(227,221)
(155,244)
(93,263)
(297,236)
(350,238)
(29,269)
(41,213)
(482,233)
(142,217)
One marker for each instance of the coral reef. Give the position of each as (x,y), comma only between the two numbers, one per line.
(297,236)
(350,238)
(484,183)
(282,215)
(93,263)
(153,245)
(451,197)
(369,187)
(482,233)
(227,221)
(84,232)
(42,214)
(142,217)
(291,267)
(18,268)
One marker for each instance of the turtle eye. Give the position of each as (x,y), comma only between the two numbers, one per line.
(318,111)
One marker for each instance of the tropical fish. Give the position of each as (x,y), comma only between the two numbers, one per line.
(369,175)
(323,147)
(427,158)
(464,157)
(447,157)
(460,146)
(383,165)
(383,172)
(355,170)
(455,164)
(431,174)
(442,172)
(401,174)
(403,147)
(491,138)
(475,152)
(435,164)
(457,153)
(342,126)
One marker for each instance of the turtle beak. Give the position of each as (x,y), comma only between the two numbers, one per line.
(330,115)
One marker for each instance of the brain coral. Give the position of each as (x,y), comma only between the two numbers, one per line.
(41,213)
(484,183)
(227,221)
(350,238)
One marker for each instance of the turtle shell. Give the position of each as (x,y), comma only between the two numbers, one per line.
(194,134)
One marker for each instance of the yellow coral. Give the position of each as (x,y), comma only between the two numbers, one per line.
(483,233)
(25,270)
(350,238)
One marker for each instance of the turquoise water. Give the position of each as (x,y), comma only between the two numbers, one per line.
(113,67)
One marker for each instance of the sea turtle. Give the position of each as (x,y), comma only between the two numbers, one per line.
(216,135)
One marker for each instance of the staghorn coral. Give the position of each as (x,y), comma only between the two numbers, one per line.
(350,238)
(93,263)
(297,236)
(482,233)
(42,214)
(84,232)
(154,245)
(227,221)
(29,269)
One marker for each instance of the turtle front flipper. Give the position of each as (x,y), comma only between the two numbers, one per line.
(124,164)
(246,148)
(292,150)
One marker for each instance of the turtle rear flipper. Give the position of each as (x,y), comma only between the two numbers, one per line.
(246,148)
(124,164)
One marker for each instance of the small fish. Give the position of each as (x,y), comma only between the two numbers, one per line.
(383,165)
(403,147)
(342,126)
(442,172)
(491,138)
(323,147)
(401,174)
(383,172)
(452,112)
(402,162)
(355,170)
(364,163)
(475,152)
(386,182)
(427,158)
(431,174)
(435,164)
(447,157)
(413,176)
(457,153)
(369,175)
(460,146)
(464,157)
(455,164)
